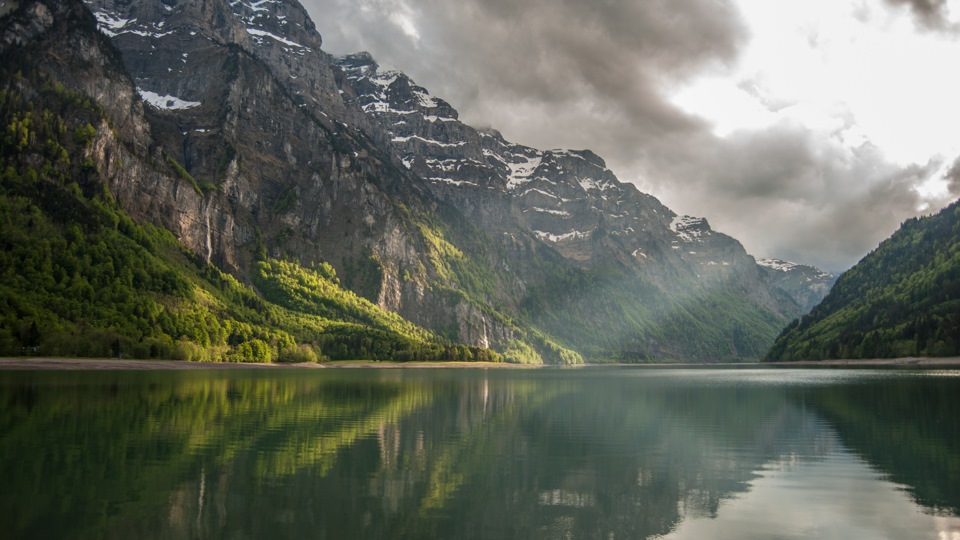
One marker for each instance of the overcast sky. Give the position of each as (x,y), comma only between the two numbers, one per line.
(807,129)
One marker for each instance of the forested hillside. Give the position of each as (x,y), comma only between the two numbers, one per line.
(80,278)
(903,299)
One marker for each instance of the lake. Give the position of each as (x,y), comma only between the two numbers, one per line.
(607,453)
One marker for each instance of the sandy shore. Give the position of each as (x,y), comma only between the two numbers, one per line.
(95,364)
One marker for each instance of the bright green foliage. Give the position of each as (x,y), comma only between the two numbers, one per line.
(317,292)
(348,326)
(903,299)
(518,352)
(79,278)
(183,174)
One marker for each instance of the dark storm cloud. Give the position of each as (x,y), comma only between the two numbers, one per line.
(929,13)
(598,74)
(953,178)
(612,56)
(793,193)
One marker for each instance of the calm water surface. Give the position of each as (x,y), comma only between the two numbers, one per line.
(460,453)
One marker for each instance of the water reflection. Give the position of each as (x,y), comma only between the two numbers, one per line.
(604,453)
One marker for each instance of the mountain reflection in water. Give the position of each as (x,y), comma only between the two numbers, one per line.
(586,453)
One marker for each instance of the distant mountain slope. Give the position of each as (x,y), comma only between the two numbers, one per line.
(807,285)
(903,299)
(651,283)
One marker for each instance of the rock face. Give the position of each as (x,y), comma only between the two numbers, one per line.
(807,285)
(248,148)
(230,127)
(567,199)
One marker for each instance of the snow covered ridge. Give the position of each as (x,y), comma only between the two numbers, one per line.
(787,266)
(361,66)
(777,264)
(572,235)
(689,228)
(113,26)
(166,102)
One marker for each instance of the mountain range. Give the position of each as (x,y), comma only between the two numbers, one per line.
(331,206)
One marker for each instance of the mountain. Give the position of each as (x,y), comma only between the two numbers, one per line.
(675,267)
(227,125)
(806,285)
(902,299)
(81,278)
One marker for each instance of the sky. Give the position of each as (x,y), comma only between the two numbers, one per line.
(807,129)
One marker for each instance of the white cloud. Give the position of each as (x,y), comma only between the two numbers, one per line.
(841,65)
(403,18)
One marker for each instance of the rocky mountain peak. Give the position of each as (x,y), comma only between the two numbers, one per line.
(568,199)
(285,23)
(390,90)
(689,228)
(173,49)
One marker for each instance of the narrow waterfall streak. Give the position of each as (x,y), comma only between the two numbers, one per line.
(209,242)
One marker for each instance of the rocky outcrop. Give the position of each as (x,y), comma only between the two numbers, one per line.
(807,285)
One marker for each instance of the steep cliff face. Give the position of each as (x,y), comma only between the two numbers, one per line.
(239,167)
(225,100)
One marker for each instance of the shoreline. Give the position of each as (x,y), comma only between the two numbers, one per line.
(105,364)
(946,361)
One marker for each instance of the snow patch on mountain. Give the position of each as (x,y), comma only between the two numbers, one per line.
(589,184)
(452,181)
(521,171)
(689,228)
(781,265)
(256,32)
(428,141)
(572,235)
(166,102)
(426,101)
(113,25)
(777,264)
(109,23)
(551,211)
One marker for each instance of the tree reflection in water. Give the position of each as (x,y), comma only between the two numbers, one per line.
(590,453)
